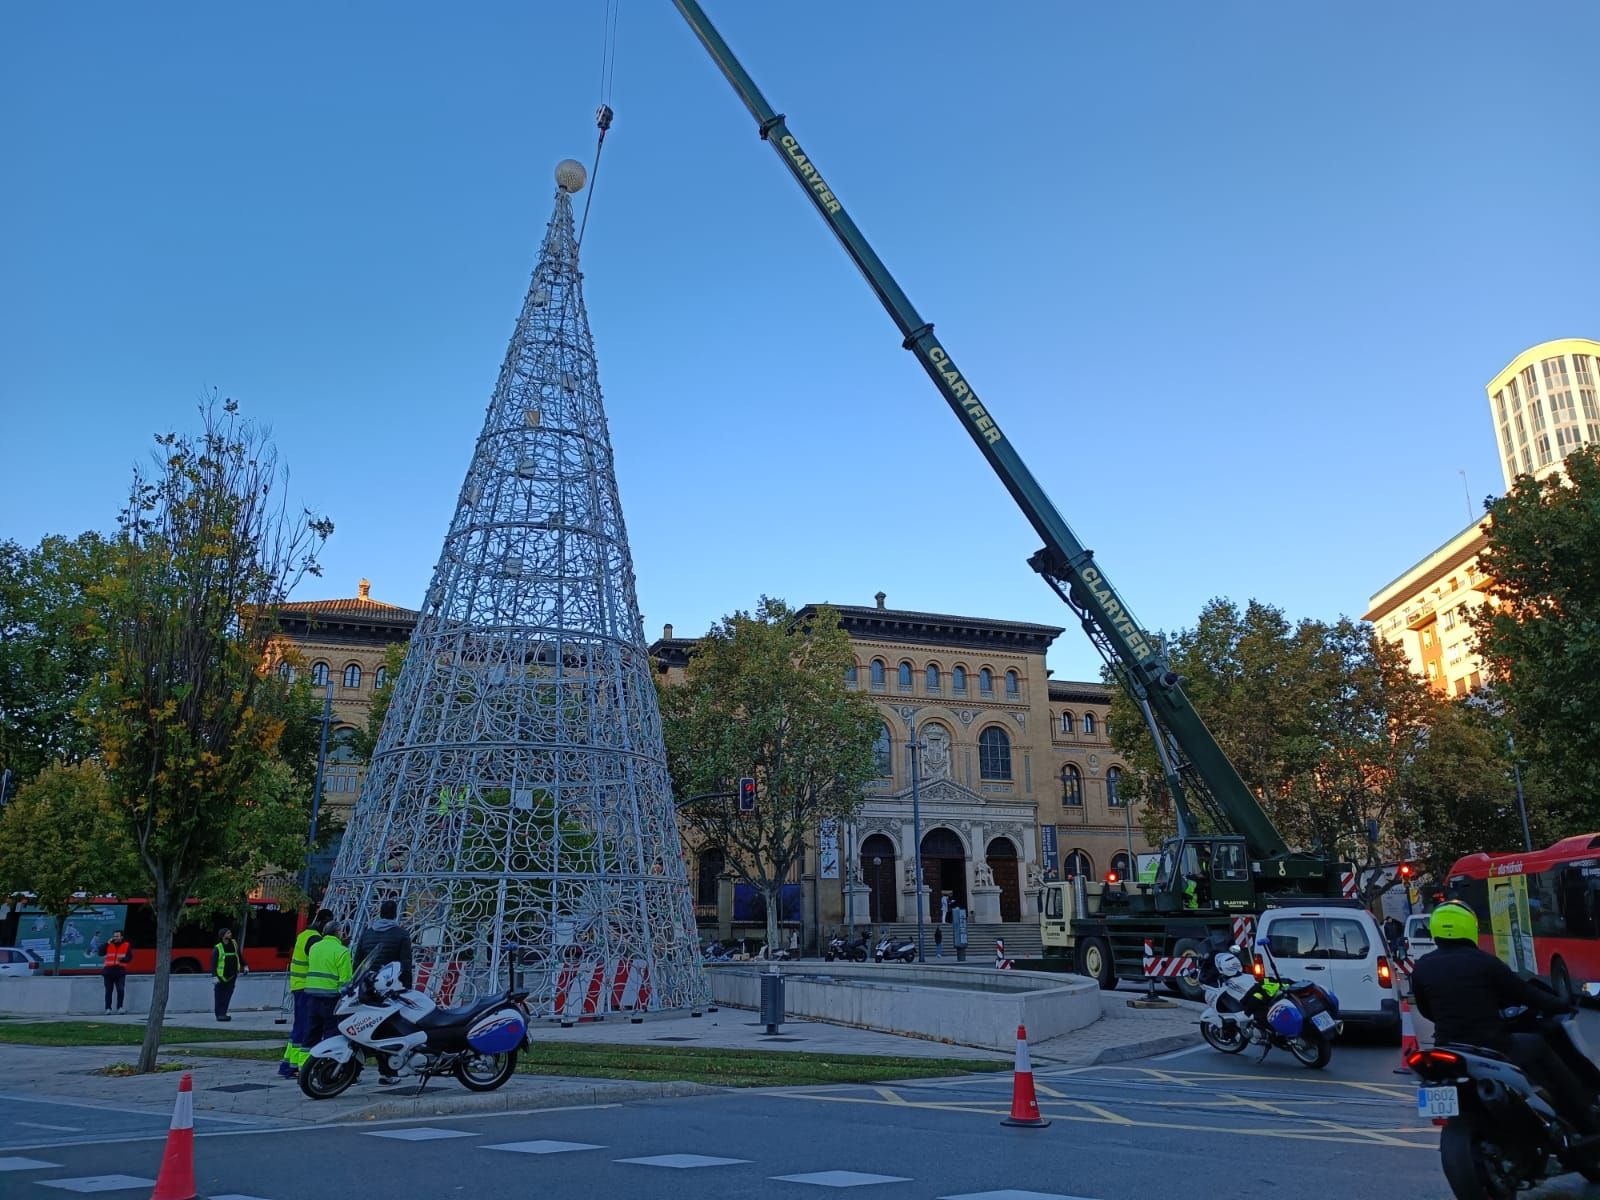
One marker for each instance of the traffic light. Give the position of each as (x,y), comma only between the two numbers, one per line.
(1111,876)
(747,795)
(1406,872)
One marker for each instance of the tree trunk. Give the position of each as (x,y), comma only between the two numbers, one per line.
(773,892)
(61,932)
(168,909)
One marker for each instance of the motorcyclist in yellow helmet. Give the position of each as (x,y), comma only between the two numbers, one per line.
(1461,990)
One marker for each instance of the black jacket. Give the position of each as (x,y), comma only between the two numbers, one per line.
(1462,990)
(386,942)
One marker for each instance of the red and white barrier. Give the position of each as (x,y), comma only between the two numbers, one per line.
(582,987)
(1347,885)
(1001,962)
(1165,967)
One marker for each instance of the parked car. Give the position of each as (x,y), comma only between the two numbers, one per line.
(1418,940)
(1341,948)
(16,961)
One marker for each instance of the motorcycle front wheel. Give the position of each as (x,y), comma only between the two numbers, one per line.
(1312,1049)
(1230,1039)
(325,1078)
(485,1072)
(1475,1165)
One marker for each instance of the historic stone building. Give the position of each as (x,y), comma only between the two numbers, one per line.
(1018,777)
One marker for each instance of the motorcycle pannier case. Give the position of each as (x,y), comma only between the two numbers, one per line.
(497,1032)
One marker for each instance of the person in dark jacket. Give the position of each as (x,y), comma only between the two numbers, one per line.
(386,941)
(1462,990)
(383,942)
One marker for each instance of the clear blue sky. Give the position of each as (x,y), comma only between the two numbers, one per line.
(1231,276)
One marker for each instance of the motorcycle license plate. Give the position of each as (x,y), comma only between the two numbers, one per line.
(1438,1102)
(1323,1021)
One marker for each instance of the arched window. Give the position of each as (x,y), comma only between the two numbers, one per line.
(712,864)
(1066,722)
(850,675)
(1013,685)
(986,682)
(319,674)
(958,680)
(1071,786)
(1088,724)
(341,745)
(380,678)
(1119,864)
(286,671)
(905,677)
(882,755)
(933,679)
(994,753)
(1113,779)
(877,674)
(352,675)
(1077,863)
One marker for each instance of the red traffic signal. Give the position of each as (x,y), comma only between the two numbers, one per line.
(1406,871)
(1111,876)
(747,795)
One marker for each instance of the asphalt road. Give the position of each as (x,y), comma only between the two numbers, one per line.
(1195,1122)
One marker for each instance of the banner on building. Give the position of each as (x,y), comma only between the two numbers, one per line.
(828,848)
(1047,847)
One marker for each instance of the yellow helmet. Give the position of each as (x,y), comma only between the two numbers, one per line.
(1454,920)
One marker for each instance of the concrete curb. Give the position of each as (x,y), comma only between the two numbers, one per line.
(445,1103)
(1140,1049)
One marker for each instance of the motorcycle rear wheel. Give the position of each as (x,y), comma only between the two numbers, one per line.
(325,1078)
(1230,1039)
(1473,1162)
(1313,1050)
(485,1072)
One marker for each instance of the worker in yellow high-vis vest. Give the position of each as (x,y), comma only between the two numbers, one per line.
(328,969)
(299,962)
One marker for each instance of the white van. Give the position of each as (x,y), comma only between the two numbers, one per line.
(1419,938)
(1341,948)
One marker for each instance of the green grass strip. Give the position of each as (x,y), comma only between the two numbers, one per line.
(96,1033)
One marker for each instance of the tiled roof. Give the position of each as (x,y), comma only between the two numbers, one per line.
(353,606)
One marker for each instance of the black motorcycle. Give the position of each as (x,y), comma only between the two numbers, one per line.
(1501,1132)
(846,951)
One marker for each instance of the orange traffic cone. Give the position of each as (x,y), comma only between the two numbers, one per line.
(1024,1104)
(1408,1037)
(176,1180)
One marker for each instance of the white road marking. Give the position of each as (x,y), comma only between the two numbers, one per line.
(420,1133)
(840,1179)
(98,1183)
(1180,1053)
(683,1161)
(1007,1194)
(24,1164)
(235,1196)
(543,1147)
(42,1125)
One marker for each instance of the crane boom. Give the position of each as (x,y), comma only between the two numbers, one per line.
(1196,767)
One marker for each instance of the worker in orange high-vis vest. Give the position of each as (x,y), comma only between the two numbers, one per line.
(294,1054)
(119,953)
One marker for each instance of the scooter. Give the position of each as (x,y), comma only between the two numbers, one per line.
(1300,1017)
(893,949)
(407,1034)
(843,950)
(1502,1131)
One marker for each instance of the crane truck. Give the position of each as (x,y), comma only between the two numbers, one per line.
(1238,862)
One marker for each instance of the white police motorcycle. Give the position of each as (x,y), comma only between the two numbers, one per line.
(1296,1016)
(405,1033)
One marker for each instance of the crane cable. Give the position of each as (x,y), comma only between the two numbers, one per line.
(603,114)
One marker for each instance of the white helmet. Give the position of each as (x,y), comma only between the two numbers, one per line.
(1228,965)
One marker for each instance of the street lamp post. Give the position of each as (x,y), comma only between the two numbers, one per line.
(316,790)
(849,883)
(914,745)
(1522,804)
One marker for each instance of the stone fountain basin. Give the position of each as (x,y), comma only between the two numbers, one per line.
(965,1006)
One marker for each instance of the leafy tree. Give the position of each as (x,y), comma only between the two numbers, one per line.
(1541,636)
(1323,722)
(764,696)
(62,843)
(186,718)
(46,661)
(366,740)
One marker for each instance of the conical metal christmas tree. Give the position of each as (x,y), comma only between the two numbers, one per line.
(518,804)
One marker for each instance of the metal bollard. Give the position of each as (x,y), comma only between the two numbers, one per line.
(772,1000)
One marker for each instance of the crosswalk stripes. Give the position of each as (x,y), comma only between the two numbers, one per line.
(543,1146)
(419,1133)
(98,1183)
(235,1196)
(1011,1194)
(840,1179)
(683,1161)
(25,1164)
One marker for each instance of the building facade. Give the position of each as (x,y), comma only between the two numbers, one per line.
(1017,774)
(1425,612)
(1545,404)
(340,645)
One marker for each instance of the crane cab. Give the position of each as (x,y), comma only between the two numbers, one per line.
(1199,872)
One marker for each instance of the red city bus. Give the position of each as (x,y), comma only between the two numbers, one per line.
(1540,912)
(266,939)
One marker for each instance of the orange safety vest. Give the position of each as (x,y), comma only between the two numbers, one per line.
(118,954)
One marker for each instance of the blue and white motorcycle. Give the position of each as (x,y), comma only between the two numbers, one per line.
(405,1033)
(1241,1010)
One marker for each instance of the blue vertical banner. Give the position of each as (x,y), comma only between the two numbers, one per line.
(828,848)
(1047,845)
